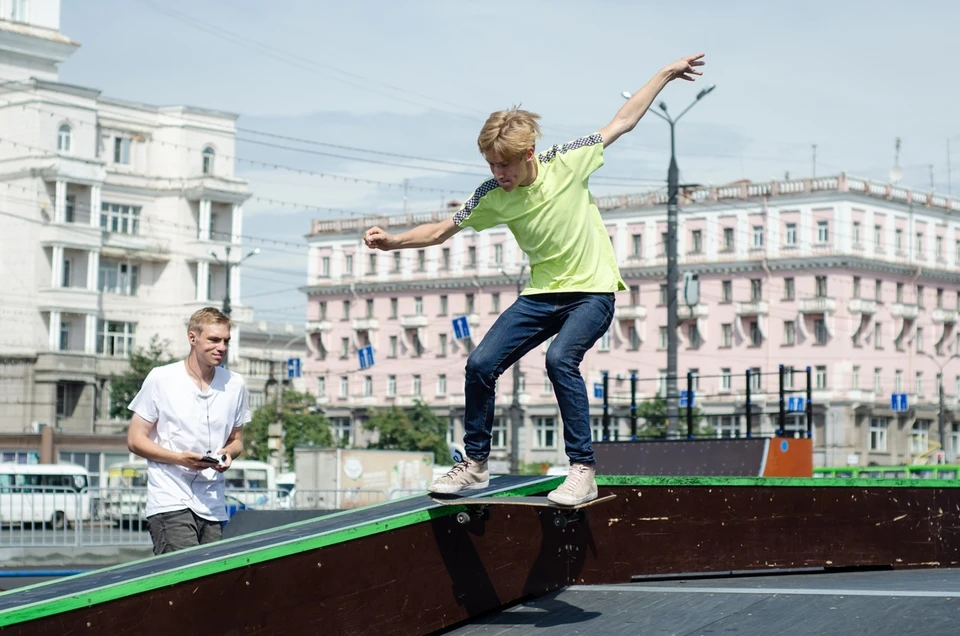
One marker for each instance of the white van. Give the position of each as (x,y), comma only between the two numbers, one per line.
(55,494)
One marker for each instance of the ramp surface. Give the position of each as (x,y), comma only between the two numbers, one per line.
(875,603)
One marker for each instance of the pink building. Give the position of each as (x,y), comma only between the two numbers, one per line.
(859,281)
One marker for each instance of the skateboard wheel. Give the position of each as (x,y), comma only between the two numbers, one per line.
(463,518)
(560,521)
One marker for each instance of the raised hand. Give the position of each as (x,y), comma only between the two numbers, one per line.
(377,239)
(685,67)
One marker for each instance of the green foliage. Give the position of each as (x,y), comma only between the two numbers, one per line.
(302,425)
(654,415)
(124,387)
(414,429)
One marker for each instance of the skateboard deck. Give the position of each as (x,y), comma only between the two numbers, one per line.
(477,507)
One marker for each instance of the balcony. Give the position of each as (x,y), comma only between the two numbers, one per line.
(755,308)
(945,316)
(74,235)
(818,305)
(133,247)
(907,312)
(413,321)
(631,312)
(317,326)
(863,306)
(692,312)
(366,324)
(78,300)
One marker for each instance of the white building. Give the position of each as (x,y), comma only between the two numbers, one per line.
(110,211)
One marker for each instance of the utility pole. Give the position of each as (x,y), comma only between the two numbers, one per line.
(814,161)
(673,274)
(516,411)
(228,266)
(941,425)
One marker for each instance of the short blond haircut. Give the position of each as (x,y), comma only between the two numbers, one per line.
(207,316)
(509,133)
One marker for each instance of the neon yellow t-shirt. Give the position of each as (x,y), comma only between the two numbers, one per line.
(554,220)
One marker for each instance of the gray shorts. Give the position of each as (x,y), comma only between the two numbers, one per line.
(181,529)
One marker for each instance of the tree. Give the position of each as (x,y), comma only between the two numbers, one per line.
(654,414)
(124,387)
(302,425)
(414,429)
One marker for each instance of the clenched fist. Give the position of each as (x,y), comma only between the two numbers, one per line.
(377,239)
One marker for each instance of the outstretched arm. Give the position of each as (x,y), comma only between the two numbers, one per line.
(421,236)
(631,112)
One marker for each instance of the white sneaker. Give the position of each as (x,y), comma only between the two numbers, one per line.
(579,487)
(468,474)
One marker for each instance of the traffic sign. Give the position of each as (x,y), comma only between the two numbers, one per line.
(461,329)
(796,404)
(366,356)
(685,398)
(293,368)
(898,402)
(598,390)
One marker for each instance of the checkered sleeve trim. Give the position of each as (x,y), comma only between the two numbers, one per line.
(589,140)
(474,201)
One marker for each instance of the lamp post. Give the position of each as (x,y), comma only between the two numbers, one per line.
(672,273)
(228,266)
(941,424)
(516,412)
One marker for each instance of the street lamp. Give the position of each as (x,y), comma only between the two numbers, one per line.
(229,267)
(516,413)
(941,425)
(672,272)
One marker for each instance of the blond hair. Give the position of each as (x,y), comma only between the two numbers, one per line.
(207,316)
(509,133)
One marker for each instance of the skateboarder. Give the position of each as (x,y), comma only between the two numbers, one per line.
(545,202)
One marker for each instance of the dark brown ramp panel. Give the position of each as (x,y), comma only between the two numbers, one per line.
(409,568)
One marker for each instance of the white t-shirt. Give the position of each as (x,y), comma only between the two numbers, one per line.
(188,419)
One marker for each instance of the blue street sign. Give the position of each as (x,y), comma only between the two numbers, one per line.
(366,356)
(293,368)
(898,402)
(598,390)
(691,398)
(795,404)
(461,329)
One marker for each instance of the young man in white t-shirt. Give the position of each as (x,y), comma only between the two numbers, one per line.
(187,422)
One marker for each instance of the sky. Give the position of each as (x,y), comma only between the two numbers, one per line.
(418,78)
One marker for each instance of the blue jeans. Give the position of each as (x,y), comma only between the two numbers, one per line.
(577,320)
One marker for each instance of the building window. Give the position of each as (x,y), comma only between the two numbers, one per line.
(820,331)
(344,348)
(207,160)
(122,219)
(790,237)
(342,430)
(756,379)
(499,433)
(416,390)
(856,287)
(605,341)
(856,233)
(498,253)
(919,338)
(119,278)
(421,260)
(920,296)
(396,263)
(444,305)
(392,351)
(877,236)
(546,432)
(757,236)
(322,386)
(728,239)
(877,383)
(18,10)
(64,139)
(726,379)
(445,259)
(66,279)
(899,295)
(756,289)
(789,289)
(878,291)
(346,310)
(919,245)
(725,425)
(877,340)
(662,248)
(726,291)
(697,241)
(663,338)
(823,231)
(70,208)
(64,335)
(348,264)
(391,386)
(821,286)
(918,384)
(726,335)
(789,332)
(898,240)
(920,437)
(442,384)
(898,381)
(115,338)
(756,337)
(367,386)
(938,248)
(369,305)
(634,337)
(371,264)
(325,266)
(394,308)
(634,295)
(694,336)
(663,294)
(418,305)
(939,298)
(323,310)
(472,256)
(442,345)
(878,434)
(637,246)
(121,150)
(788,377)
(344,386)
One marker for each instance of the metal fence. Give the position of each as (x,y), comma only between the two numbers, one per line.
(42,517)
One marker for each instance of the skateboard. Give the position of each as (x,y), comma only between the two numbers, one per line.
(478,507)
